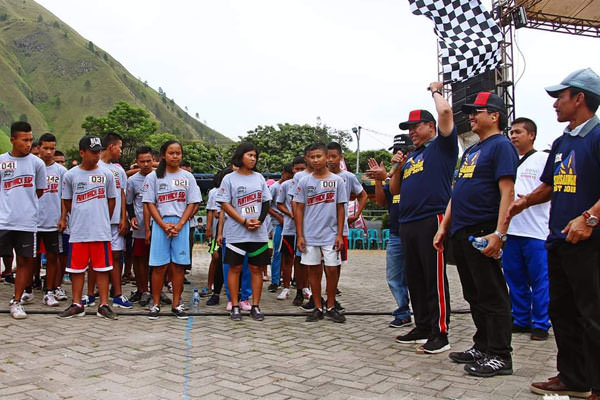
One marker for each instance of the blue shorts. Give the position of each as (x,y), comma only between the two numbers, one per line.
(164,249)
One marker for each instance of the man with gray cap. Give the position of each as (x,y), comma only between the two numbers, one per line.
(571,181)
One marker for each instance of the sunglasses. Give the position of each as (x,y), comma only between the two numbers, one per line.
(477,111)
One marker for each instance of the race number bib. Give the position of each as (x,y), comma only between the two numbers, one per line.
(249,210)
(8,165)
(97,179)
(180,182)
(328,184)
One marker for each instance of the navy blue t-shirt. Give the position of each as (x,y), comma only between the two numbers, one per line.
(573,171)
(427,178)
(476,196)
(393,202)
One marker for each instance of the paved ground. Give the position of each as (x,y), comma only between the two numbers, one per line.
(211,357)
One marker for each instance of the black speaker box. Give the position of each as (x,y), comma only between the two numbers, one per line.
(465,92)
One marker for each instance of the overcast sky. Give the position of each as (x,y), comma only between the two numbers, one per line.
(240,64)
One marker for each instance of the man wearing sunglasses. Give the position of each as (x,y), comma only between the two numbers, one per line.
(482,194)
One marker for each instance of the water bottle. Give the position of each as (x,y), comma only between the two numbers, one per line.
(196,298)
(480,243)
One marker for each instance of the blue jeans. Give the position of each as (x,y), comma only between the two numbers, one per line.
(396,276)
(276,262)
(246,291)
(525,263)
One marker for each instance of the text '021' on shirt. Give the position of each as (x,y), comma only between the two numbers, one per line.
(50,202)
(134,195)
(476,196)
(20,177)
(120,178)
(172,193)
(320,198)
(245,193)
(89,192)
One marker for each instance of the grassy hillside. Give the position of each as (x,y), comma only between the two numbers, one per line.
(4,142)
(53,77)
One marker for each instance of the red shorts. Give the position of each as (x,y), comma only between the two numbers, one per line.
(140,248)
(98,255)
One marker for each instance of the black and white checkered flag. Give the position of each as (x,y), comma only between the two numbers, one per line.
(468,36)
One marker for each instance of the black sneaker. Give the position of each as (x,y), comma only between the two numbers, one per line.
(338,292)
(400,322)
(490,366)
(186,281)
(73,310)
(308,307)
(135,297)
(339,307)
(154,312)
(293,283)
(213,300)
(414,336)
(256,313)
(299,299)
(334,315)
(179,312)
(436,344)
(236,315)
(164,299)
(9,278)
(466,357)
(539,334)
(37,283)
(315,315)
(104,311)
(272,288)
(145,299)
(520,329)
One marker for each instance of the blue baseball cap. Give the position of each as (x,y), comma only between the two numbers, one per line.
(584,79)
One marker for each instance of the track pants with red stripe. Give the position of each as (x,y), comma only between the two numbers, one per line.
(426,275)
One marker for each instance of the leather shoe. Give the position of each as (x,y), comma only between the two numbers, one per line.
(594,396)
(555,386)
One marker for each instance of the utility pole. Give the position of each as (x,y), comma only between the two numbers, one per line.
(356,131)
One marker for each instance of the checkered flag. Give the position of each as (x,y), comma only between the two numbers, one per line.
(468,36)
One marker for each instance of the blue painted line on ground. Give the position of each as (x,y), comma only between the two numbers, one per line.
(188,355)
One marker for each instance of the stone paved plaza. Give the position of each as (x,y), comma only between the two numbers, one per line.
(283,357)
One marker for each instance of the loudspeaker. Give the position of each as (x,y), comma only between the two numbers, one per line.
(465,92)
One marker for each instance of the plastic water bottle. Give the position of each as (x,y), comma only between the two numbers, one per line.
(480,243)
(196,298)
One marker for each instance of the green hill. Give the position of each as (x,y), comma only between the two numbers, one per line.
(53,78)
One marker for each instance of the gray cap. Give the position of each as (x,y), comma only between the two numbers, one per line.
(585,79)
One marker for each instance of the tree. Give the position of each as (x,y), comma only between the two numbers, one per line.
(40,18)
(87,85)
(279,145)
(156,140)
(206,158)
(91,46)
(379,155)
(197,116)
(134,125)
(23,117)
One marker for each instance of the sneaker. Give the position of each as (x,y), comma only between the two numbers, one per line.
(74,310)
(256,313)
(125,279)
(245,305)
(400,322)
(299,299)
(66,279)
(338,292)
(414,336)
(213,300)
(308,307)
(170,287)
(60,294)
(154,312)
(272,288)
(436,344)
(204,292)
(539,334)
(88,300)
(16,310)
(145,299)
(37,283)
(229,305)
(50,300)
(284,295)
(306,293)
(122,301)
(104,311)
(490,366)
(9,278)
(26,298)
(135,297)
(164,299)
(236,315)
(335,315)
(520,329)
(338,307)
(466,357)
(179,312)
(186,281)
(315,315)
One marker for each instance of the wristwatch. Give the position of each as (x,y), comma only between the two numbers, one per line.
(501,235)
(590,220)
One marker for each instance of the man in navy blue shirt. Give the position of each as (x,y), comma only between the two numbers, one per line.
(482,194)
(571,181)
(394,255)
(424,186)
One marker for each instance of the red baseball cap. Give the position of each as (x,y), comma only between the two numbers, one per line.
(415,117)
(488,100)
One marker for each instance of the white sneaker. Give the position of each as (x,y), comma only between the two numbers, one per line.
(245,305)
(50,300)
(59,294)
(26,298)
(229,306)
(285,294)
(306,293)
(16,310)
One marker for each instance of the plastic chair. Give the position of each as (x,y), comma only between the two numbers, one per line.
(356,236)
(385,238)
(372,236)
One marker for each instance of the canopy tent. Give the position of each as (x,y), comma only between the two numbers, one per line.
(577,17)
